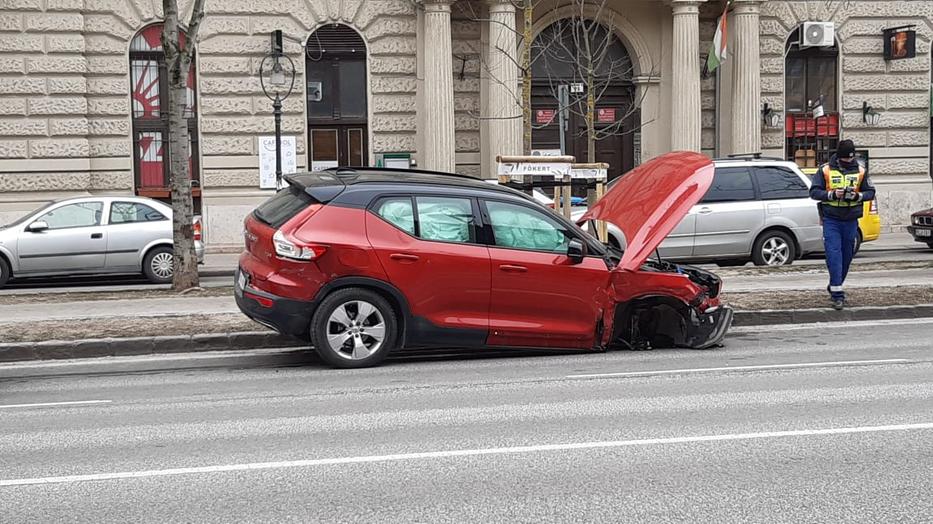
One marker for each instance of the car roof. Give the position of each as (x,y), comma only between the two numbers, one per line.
(353,176)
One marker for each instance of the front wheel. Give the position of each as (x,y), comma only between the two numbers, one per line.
(774,248)
(159,265)
(354,328)
(4,272)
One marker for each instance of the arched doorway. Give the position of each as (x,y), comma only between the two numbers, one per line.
(811,74)
(149,87)
(563,55)
(338,127)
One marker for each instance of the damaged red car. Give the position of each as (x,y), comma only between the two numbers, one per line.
(363,261)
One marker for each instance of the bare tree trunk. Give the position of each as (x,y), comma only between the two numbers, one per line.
(528,12)
(178,64)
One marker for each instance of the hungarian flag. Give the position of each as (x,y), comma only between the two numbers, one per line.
(717,52)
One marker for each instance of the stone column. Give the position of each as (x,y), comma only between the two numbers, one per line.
(685,83)
(746,78)
(504,110)
(438,87)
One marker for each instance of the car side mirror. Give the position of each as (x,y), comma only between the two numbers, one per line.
(37,226)
(576,250)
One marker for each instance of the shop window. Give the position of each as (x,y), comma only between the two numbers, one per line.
(811,79)
(149,92)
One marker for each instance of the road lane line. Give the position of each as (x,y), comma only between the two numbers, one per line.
(254,466)
(742,368)
(45,404)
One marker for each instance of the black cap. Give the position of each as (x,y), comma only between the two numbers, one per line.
(846,149)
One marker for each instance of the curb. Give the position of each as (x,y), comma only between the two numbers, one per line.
(812,316)
(121,347)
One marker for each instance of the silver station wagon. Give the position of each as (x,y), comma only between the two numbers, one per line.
(756,210)
(92,235)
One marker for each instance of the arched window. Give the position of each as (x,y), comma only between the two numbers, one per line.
(149,92)
(561,54)
(810,76)
(336,94)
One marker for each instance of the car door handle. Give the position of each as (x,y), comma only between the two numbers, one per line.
(705,210)
(508,268)
(404,257)
(97,235)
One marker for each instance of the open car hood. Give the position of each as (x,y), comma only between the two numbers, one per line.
(648,202)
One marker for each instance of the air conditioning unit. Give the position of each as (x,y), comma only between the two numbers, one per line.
(817,34)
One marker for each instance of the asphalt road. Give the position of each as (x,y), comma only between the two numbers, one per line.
(826,423)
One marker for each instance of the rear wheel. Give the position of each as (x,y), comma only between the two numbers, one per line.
(4,272)
(354,328)
(774,248)
(930,245)
(159,265)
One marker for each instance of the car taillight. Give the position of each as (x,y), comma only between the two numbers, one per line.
(197,228)
(874,207)
(288,248)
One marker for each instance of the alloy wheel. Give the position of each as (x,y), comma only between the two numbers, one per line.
(356,330)
(162,265)
(775,251)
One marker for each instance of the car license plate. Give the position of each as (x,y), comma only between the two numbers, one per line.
(924,232)
(242,280)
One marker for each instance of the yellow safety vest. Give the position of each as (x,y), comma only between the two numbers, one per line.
(838,180)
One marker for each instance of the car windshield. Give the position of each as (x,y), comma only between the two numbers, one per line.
(26,217)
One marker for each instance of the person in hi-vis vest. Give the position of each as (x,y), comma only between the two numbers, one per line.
(841,186)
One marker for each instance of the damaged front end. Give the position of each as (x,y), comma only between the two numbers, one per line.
(664,305)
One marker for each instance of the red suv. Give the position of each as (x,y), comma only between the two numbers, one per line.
(362,261)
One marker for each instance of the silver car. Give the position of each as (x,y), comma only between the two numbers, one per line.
(758,210)
(92,235)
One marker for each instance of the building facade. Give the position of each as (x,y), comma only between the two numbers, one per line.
(436,84)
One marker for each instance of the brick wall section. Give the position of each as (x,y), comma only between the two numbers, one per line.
(465,35)
(708,15)
(43,90)
(898,89)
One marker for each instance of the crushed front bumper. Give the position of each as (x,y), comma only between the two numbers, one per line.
(708,329)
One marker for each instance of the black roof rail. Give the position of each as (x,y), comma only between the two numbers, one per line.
(751,156)
(354,169)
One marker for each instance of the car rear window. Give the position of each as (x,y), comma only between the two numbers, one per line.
(279,209)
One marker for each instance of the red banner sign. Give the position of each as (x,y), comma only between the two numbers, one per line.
(544,116)
(606,115)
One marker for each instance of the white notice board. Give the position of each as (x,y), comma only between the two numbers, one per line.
(267,159)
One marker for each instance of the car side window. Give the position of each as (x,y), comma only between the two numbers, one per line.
(80,214)
(130,212)
(777,182)
(399,212)
(519,227)
(730,184)
(446,219)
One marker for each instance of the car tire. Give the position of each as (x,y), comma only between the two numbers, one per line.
(344,340)
(774,248)
(858,242)
(154,265)
(930,245)
(5,272)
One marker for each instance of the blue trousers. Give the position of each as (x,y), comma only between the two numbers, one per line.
(839,241)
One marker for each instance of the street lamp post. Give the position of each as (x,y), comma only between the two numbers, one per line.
(281,81)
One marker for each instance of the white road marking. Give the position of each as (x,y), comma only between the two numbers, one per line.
(166,357)
(742,368)
(460,453)
(45,404)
